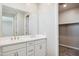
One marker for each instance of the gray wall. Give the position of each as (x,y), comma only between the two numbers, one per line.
(69,35)
(69,16)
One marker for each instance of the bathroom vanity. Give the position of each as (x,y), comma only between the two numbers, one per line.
(15,37)
(23,46)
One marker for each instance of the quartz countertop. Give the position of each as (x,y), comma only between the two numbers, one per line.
(19,39)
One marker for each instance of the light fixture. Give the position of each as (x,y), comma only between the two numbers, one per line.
(64,5)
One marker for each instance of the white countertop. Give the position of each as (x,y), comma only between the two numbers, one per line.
(9,40)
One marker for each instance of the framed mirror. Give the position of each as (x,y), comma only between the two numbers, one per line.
(14,22)
(8,22)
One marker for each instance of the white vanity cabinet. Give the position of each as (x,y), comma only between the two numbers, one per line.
(35,47)
(11,53)
(30,48)
(18,52)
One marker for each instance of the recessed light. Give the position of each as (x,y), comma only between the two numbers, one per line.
(65,5)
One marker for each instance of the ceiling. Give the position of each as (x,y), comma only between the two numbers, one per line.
(69,6)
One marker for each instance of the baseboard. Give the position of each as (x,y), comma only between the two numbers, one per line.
(69,46)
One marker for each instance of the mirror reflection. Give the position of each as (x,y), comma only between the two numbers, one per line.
(14,22)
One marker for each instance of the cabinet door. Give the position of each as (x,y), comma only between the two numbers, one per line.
(40,49)
(18,52)
(22,52)
(30,51)
(11,53)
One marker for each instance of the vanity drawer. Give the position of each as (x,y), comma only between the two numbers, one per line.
(43,40)
(30,51)
(13,47)
(11,53)
(19,52)
(37,41)
(30,43)
(40,41)
(40,49)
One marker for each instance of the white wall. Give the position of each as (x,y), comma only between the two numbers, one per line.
(69,16)
(19,6)
(44,20)
(33,19)
(48,24)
